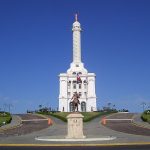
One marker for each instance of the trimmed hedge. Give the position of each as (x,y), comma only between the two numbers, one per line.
(146,116)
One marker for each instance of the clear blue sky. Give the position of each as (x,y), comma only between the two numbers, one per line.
(36,45)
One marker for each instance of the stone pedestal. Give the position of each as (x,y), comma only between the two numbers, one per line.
(75,126)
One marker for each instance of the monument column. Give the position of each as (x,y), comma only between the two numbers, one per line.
(76,41)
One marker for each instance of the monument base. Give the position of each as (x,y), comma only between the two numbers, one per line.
(75,126)
(62,139)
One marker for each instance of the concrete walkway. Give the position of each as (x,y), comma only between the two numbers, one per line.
(15,122)
(139,122)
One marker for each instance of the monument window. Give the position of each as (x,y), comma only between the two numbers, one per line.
(74,86)
(84,86)
(69,83)
(74,73)
(80,94)
(85,94)
(71,106)
(83,106)
(80,86)
(68,94)
(85,81)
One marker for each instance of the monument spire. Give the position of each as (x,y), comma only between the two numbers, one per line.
(76,17)
(76,41)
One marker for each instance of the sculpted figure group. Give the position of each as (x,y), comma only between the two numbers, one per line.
(75,101)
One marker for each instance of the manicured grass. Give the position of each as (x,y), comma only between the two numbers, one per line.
(60,115)
(146,116)
(5,117)
(88,116)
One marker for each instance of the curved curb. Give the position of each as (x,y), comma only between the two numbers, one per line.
(14,126)
(139,125)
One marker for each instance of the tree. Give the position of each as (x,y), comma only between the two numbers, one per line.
(109,105)
(40,106)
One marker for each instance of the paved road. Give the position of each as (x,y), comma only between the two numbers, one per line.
(92,129)
(26,127)
(139,147)
(126,126)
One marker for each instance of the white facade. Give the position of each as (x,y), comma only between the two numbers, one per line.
(68,81)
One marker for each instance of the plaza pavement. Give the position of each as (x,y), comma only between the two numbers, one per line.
(58,130)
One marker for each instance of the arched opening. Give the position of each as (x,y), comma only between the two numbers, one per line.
(71,106)
(83,106)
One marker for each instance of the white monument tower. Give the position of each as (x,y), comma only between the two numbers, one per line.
(77,79)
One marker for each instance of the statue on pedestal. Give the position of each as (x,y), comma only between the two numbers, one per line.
(75,101)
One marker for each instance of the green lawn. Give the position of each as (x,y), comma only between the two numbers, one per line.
(5,117)
(146,116)
(87,115)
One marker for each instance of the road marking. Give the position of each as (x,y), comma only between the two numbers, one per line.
(139,125)
(33,120)
(120,119)
(71,145)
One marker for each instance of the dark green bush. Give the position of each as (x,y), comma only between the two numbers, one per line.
(146,116)
(5,117)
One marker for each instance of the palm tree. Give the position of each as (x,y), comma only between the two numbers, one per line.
(109,104)
(40,106)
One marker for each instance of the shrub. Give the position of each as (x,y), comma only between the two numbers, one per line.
(5,117)
(146,116)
